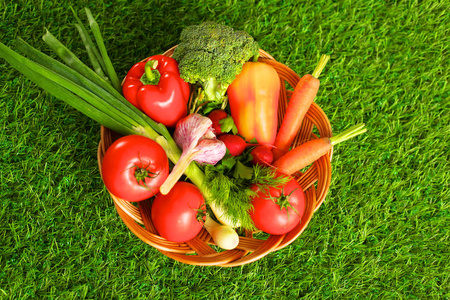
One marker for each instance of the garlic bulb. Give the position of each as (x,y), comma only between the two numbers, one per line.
(195,136)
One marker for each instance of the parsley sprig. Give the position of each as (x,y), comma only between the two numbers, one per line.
(231,182)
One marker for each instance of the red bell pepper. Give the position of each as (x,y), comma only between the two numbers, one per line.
(253,99)
(156,88)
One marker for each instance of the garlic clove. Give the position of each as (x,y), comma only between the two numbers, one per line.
(211,151)
(191,129)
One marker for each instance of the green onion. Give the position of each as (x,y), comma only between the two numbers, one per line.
(100,96)
(94,55)
(83,91)
(26,67)
(70,59)
(95,62)
(98,38)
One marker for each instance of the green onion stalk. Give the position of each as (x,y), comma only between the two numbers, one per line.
(96,92)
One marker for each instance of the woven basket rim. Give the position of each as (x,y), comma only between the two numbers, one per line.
(315,181)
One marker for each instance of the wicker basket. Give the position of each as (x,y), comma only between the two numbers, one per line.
(315,181)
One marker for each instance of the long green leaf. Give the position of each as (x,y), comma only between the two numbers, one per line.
(98,38)
(76,64)
(71,59)
(84,93)
(79,90)
(114,99)
(45,60)
(93,53)
(26,67)
(115,102)
(94,61)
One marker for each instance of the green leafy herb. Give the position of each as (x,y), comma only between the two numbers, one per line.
(242,171)
(227,125)
(230,183)
(253,141)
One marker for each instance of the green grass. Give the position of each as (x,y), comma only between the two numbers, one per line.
(383,231)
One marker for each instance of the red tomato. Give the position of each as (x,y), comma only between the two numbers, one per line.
(175,215)
(280,209)
(134,167)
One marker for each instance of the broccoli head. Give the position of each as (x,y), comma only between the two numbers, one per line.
(210,55)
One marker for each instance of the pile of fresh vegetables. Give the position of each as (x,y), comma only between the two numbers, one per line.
(199,129)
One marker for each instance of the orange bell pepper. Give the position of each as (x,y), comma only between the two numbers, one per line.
(253,99)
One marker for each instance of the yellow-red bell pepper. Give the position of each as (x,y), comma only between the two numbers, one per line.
(253,99)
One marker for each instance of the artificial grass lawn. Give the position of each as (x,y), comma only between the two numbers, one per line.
(383,231)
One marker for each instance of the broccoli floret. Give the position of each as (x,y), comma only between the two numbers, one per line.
(210,55)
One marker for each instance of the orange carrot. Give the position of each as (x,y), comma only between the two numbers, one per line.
(307,153)
(304,93)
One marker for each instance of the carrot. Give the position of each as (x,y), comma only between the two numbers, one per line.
(304,93)
(307,153)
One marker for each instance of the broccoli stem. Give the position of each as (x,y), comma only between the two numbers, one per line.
(214,90)
(255,57)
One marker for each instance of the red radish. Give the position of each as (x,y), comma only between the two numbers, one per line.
(262,155)
(222,122)
(216,116)
(307,153)
(234,143)
(301,99)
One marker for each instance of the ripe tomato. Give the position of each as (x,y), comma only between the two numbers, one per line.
(280,209)
(175,215)
(134,167)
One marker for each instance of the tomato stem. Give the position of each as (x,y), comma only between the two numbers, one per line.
(142,173)
(201,215)
(283,202)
